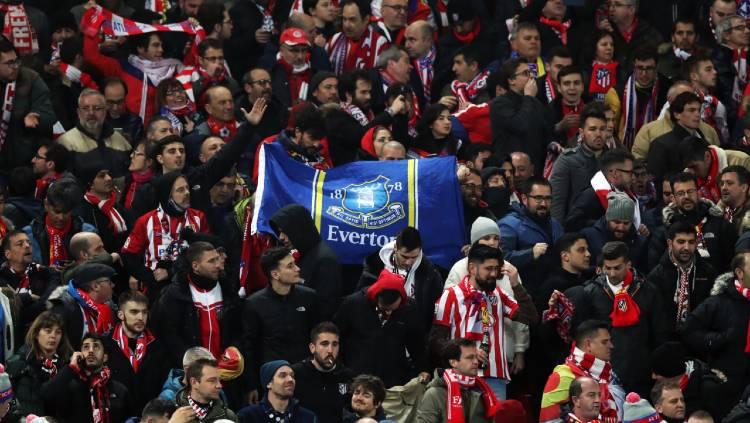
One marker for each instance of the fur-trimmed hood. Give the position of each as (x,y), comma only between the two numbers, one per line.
(56,296)
(745,223)
(704,205)
(722,283)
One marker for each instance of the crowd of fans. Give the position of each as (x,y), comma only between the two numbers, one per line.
(602,150)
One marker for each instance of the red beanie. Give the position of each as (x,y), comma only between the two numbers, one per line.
(387,281)
(367,142)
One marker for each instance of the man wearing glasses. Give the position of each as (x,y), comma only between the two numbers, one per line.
(392,22)
(258,83)
(730,59)
(629,31)
(27,113)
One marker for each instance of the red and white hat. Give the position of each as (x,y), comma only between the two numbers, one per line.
(294,37)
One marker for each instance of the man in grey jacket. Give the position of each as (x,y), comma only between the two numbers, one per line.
(576,166)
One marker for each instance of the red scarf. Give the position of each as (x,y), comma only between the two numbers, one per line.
(455,403)
(99,392)
(559,28)
(18,29)
(628,33)
(8,96)
(42,184)
(745,294)
(252,247)
(582,363)
(708,108)
(567,110)
(76,75)
(57,250)
(24,282)
(625,311)
(347,55)
(603,78)
(3,228)
(467,92)
(116,222)
(708,187)
(98,317)
(739,61)
(138,179)
(141,344)
(299,78)
(49,366)
(469,36)
(223,130)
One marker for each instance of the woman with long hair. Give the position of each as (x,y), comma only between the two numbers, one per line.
(434,134)
(45,352)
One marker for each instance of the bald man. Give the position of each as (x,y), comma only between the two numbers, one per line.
(420,44)
(392,150)
(88,247)
(524,169)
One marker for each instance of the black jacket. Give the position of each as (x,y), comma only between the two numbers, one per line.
(521,123)
(722,59)
(632,344)
(41,282)
(716,332)
(571,174)
(39,236)
(644,34)
(276,327)
(585,211)
(175,318)
(599,234)
(26,376)
(92,215)
(427,280)
(318,263)
(665,278)
(373,348)
(144,385)
(72,399)
(62,303)
(663,157)
(323,393)
(345,133)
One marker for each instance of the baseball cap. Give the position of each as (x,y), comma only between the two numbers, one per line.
(293,37)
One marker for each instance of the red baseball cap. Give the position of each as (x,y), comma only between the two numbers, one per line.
(293,37)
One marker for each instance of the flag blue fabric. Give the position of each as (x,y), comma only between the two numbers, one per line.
(361,206)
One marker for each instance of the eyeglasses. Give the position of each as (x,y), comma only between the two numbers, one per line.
(12,63)
(471,187)
(738,28)
(541,198)
(261,82)
(685,193)
(37,156)
(214,59)
(522,73)
(95,109)
(399,9)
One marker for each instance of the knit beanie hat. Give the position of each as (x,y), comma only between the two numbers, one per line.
(387,281)
(639,410)
(619,207)
(268,370)
(668,360)
(6,390)
(317,79)
(482,227)
(231,364)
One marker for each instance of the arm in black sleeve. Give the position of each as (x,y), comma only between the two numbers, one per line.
(136,268)
(213,170)
(526,313)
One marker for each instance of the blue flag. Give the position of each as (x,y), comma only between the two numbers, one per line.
(361,206)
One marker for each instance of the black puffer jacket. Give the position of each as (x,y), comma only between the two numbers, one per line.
(665,278)
(318,263)
(716,332)
(633,344)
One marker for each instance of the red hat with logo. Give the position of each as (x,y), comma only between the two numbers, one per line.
(294,37)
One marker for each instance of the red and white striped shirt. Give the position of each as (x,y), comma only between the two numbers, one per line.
(208,304)
(459,308)
(155,230)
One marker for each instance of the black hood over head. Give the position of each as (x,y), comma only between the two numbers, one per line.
(295,221)
(163,185)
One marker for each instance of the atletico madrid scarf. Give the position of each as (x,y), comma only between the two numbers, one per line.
(98,317)
(745,293)
(98,19)
(625,311)
(739,62)
(298,77)
(708,108)
(141,344)
(708,187)
(57,250)
(76,75)
(98,392)
(467,92)
(138,179)
(603,78)
(358,114)
(18,29)
(42,184)
(559,28)
(347,54)
(116,222)
(636,115)
(224,130)
(562,313)
(426,70)
(601,372)
(455,403)
(8,96)
(682,293)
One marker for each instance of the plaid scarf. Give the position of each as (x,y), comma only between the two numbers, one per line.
(708,187)
(200,411)
(455,403)
(467,92)
(98,391)
(18,29)
(559,28)
(603,78)
(141,344)
(745,293)
(636,115)
(116,222)
(76,75)
(563,313)
(223,130)
(8,96)
(97,317)
(425,68)
(682,293)
(625,311)
(57,250)
(739,62)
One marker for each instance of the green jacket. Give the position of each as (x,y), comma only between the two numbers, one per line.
(432,409)
(218,411)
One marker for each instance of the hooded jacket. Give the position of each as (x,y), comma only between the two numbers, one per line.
(318,263)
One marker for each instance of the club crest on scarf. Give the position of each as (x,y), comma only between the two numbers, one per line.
(368,205)
(622,305)
(603,77)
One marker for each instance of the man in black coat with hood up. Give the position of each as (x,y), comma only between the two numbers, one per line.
(318,263)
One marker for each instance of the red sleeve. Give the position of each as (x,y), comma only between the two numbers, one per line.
(137,241)
(444,308)
(107,66)
(204,223)
(510,306)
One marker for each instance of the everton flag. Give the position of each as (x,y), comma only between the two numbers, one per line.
(359,207)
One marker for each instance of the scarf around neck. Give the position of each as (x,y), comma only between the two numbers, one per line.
(135,357)
(682,291)
(454,382)
(223,130)
(559,28)
(467,92)
(636,115)
(97,317)
(42,184)
(98,392)
(708,187)
(57,250)
(138,179)
(625,311)
(107,206)
(298,77)
(153,72)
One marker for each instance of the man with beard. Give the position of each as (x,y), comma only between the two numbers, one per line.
(715,235)
(100,209)
(528,231)
(49,163)
(202,393)
(324,89)
(83,391)
(735,202)
(669,401)
(617,225)
(471,193)
(94,141)
(323,381)
(706,162)
(693,273)
(137,359)
(684,45)
(481,319)
(119,118)
(574,168)
(279,404)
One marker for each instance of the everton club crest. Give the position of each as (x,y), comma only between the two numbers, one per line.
(368,205)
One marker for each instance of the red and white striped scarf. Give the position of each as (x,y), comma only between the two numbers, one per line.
(602,188)
(163,233)
(159,6)
(636,115)
(200,411)
(745,293)
(599,370)
(682,293)
(8,96)
(116,222)
(425,68)
(467,92)
(559,28)
(739,62)
(358,114)
(98,19)
(98,392)
(18,29)
(347,55)
(455,403)
(189,75)
(77,75)
(141,344)
(708,107)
